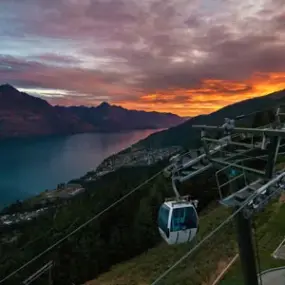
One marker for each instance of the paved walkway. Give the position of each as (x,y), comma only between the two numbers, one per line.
(274,277)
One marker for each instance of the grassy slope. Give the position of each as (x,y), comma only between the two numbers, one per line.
(206,263)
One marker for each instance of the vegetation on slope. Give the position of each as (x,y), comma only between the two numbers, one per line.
(95,248)
(205,264)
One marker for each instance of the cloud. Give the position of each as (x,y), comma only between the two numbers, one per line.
(55,58)
(17,69)
(183,56)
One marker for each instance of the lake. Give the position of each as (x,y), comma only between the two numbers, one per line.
(30,166)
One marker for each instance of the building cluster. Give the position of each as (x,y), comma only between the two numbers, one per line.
(63,191)
(134,157)
(20,217)
(44,200)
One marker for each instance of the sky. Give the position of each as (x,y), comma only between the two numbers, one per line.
(187,57)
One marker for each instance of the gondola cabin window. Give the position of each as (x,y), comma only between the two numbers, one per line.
(163,217)
(183,218)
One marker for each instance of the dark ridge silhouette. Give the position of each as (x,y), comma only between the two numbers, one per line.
(186,136)
(23,115)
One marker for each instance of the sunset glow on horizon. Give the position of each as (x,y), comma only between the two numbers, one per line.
(197,101)
(186,57)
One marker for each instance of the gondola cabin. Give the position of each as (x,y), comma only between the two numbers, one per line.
(177,222)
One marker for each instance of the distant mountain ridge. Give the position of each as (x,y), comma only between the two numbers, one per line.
(112,118)
(23,115)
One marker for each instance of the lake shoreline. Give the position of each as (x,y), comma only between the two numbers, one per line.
(133,158)
(29,137)
(28,166)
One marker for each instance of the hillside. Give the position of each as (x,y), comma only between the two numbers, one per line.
(23,115)
(205,264)
(184,135)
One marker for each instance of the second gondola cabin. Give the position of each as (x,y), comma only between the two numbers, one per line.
(177,221)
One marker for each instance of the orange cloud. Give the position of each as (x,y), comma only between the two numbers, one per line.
(211,96)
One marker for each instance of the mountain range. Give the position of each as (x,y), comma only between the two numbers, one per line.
(23,115)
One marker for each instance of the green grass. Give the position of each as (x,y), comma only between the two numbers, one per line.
(204,265)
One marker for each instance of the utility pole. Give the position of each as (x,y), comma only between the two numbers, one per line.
(246,249)
(245,242)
